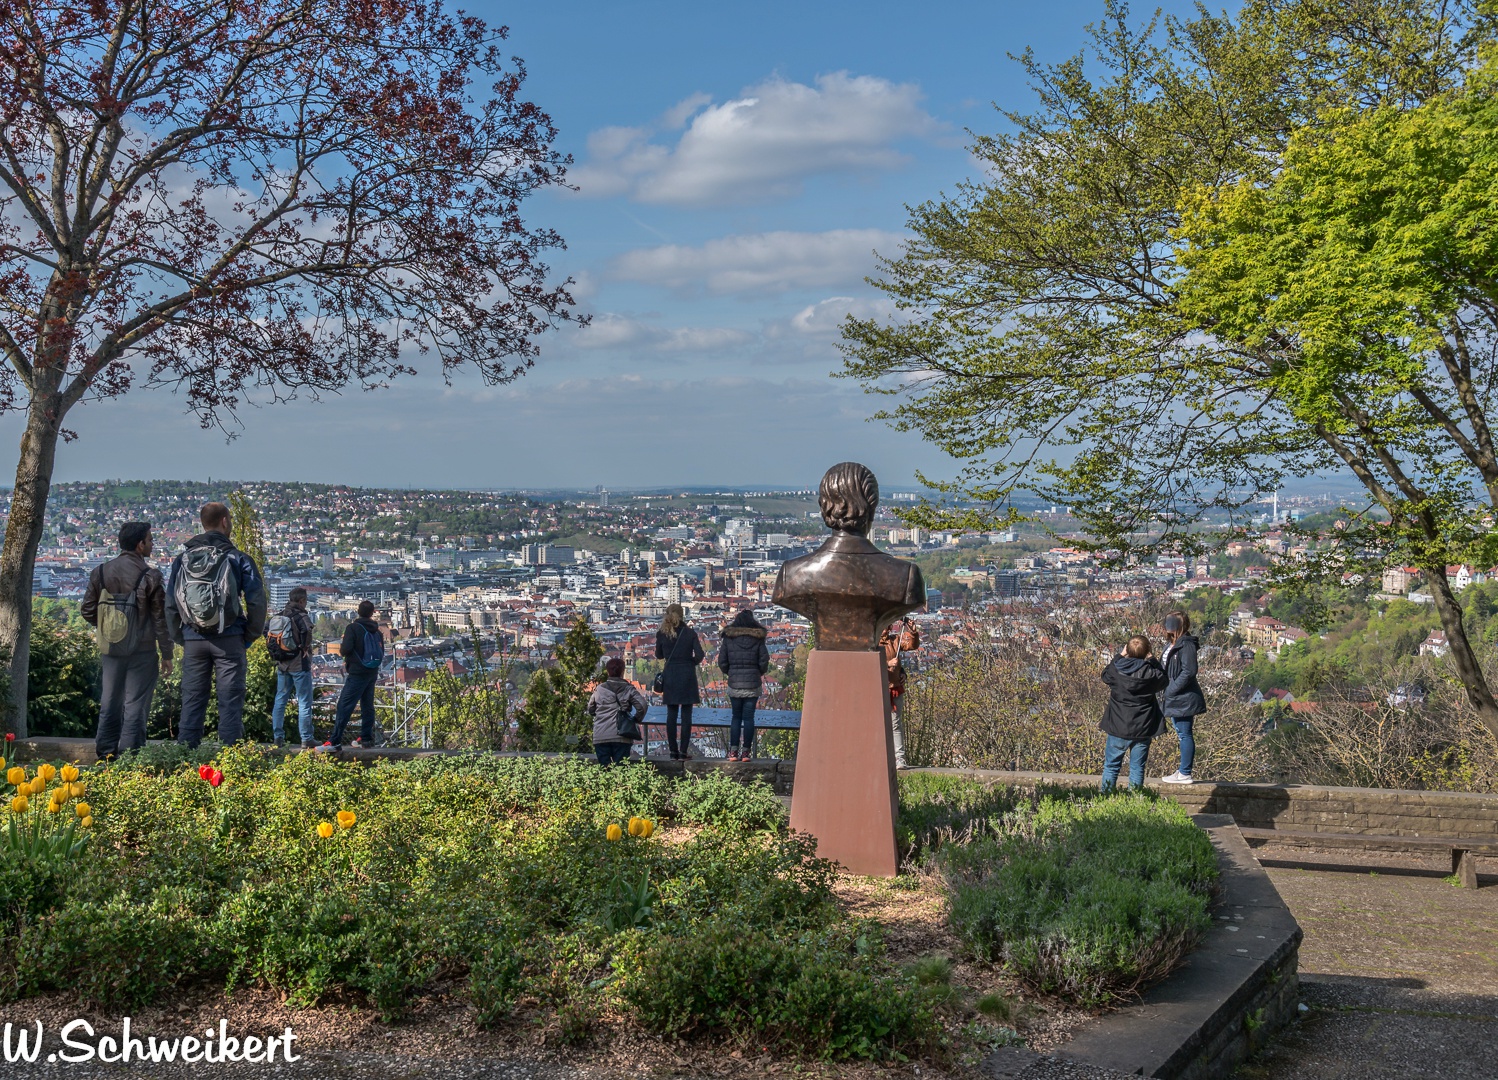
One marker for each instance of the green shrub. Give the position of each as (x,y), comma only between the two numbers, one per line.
(937,810)
(717,800)
(1086,899)
(823,994)
(118,954)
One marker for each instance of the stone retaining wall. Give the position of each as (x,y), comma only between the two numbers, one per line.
(1304,808)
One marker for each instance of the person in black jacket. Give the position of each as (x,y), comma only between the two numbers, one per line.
(1183,700)
(362,641)
(676,643)
(744,658)
(1133,716)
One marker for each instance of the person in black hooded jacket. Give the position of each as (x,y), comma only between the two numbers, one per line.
(1133,716)
(744,658)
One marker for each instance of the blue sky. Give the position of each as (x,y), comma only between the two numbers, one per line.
(738,166)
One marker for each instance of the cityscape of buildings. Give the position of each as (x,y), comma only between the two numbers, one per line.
(513,572)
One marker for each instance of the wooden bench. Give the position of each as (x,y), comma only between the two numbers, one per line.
(1463,852)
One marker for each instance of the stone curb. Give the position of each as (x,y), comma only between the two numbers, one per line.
(1235,990)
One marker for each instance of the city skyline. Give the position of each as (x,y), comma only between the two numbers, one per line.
(733,184)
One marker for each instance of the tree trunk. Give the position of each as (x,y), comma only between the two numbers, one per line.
(1468,669)
(23,535)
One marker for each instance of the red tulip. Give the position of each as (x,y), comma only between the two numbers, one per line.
(10,736)
(205,771)
(215,778)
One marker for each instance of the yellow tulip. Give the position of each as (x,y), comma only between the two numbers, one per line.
(16,777)
(324,829)
(87,823)
(38,786)
(83,809)
(46,772)
(614,832)
(2,763)
(69,772)
(53,808)
(75,791)
(18,804)
(346,819)
(636,826)
(647,829)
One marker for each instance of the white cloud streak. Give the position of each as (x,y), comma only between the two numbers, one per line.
(761,263)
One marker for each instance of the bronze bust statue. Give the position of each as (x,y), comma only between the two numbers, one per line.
(848,588)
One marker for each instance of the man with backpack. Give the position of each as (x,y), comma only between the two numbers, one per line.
(215,606)
(363,651)
(126,603)
(288,639)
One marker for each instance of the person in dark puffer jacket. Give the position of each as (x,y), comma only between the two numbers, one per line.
(1183,700)
(1133,715)
(744,658)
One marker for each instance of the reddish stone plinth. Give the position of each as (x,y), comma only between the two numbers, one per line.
(845,791)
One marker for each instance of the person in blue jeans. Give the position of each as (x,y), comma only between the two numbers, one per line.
(295,675)
(744,658)
(1183,700)
(363,649)
(1133,716)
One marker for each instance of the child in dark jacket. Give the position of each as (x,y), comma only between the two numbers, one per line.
(1133,716)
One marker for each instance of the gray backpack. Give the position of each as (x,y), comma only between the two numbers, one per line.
(207,589)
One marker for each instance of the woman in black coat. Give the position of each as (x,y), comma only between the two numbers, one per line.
(676,643)
(744,658)
(1183,700)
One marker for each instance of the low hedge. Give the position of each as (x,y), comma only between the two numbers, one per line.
(1089,897)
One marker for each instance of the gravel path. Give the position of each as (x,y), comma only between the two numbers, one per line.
(1398,968)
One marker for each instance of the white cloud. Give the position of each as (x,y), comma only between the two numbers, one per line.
(612,331)
(761,145)
(761,263)
(824,319)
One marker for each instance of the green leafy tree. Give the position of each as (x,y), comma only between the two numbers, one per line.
(1253,248)
(62,691)
(555,715)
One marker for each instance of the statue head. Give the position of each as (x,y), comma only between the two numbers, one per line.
(848,496)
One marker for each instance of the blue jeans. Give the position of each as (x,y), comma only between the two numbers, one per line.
(1136,750)
(742,721)
(1188,742)
(611,753)
(287,683)
(357,689)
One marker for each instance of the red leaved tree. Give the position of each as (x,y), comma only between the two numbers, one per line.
(252,199)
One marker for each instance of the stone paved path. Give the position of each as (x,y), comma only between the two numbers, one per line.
(1400,970)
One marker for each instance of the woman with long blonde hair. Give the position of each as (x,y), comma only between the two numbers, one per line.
(677,644)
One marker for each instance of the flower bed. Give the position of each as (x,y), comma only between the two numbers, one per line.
(539,895)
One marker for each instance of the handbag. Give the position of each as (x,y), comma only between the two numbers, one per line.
(624,719)
(659,686)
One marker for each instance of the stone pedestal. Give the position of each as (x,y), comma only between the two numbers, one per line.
(845,791)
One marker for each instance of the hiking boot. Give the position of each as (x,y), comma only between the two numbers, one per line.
(280,741)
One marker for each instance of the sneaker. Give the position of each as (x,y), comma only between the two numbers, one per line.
(280,742)
(309,746)
(1177,777)
(328,747)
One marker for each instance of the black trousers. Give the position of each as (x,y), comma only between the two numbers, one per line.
(611,753)
(686,727)
(126,685)
(208,661)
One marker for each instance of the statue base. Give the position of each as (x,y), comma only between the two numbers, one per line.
(845,792)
